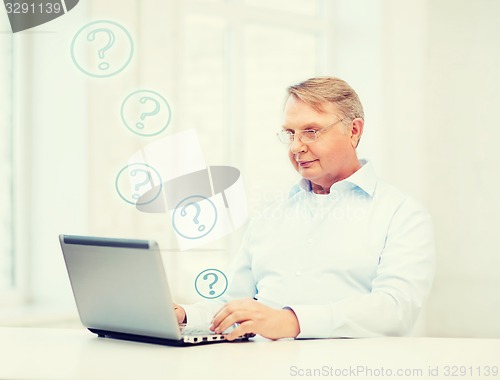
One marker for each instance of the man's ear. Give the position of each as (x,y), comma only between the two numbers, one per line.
(356,131)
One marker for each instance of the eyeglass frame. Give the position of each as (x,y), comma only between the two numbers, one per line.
(300,135)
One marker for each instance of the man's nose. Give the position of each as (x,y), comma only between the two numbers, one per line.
(297,145)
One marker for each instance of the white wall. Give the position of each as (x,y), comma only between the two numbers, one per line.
(435,136)
(461,164)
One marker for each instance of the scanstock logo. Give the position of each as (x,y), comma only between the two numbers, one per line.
(26,14)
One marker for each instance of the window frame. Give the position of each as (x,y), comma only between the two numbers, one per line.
(238,15)
(20,232)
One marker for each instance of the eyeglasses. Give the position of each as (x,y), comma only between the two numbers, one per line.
(307,136)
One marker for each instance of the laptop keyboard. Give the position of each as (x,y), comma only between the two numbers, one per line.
(197,331)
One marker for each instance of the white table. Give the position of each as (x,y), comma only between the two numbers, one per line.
(33,353)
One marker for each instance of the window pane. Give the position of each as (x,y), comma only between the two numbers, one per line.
(204,92)
(275,58)
(303,7)
(6,201)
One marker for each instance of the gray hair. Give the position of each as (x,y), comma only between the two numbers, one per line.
(320,90)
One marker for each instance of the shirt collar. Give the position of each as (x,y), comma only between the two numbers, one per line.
(364,178)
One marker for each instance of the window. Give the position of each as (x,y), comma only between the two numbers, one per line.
(222,65)
(238,57)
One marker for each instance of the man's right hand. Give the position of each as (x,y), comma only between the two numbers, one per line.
(180,313)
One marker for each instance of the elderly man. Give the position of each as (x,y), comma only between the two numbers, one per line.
(346,255)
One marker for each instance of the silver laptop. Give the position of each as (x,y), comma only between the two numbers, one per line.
(121,291)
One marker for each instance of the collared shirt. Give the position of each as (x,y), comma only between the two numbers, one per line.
(356,262)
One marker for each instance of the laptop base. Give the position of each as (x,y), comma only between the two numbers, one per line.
(146,339)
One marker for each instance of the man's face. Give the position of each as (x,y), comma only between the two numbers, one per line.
(330,158)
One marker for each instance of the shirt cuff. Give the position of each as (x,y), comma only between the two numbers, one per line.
(313,320)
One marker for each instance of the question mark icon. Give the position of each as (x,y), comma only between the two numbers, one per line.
(184,225)
(128,188)
(107,42)
(143,100)
(111,40)
(216,278)
(198,212)
(147,180)
(144,124)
